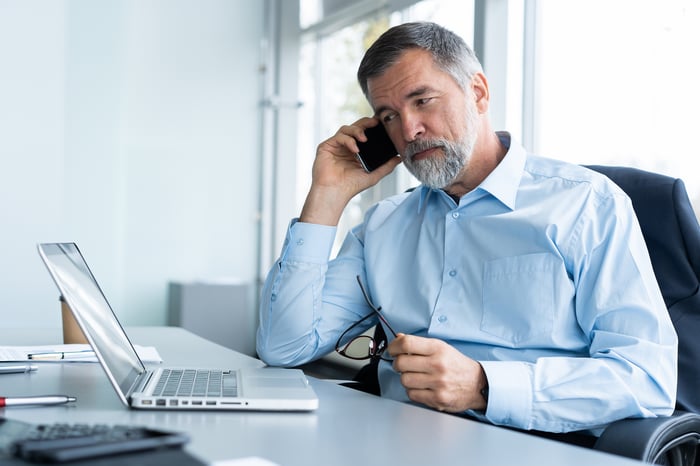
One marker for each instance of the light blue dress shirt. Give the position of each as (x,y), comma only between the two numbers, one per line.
(541,274)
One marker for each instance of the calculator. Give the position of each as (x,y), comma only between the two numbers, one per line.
(64,442)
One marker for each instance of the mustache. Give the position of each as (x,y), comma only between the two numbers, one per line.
(421,145)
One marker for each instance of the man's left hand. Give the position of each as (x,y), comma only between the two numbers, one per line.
(437,375)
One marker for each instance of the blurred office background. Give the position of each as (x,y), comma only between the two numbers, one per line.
(173,139)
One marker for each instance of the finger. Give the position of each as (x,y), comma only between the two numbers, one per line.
(362,124)
(415,380)
(426,397)
(411,344)
(357,129)
(436,400)
(342,143)
(366,122)
(348,135)
(413,363)
(420,395)
(387,168)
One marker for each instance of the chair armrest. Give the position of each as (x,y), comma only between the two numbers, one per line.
(650,439)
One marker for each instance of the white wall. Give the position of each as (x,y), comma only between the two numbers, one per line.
(132,128)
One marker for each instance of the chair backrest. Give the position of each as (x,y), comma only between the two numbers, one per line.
(672,235)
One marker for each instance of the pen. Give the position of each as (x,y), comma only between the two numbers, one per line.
(16,368)
(35,400)
(53,355)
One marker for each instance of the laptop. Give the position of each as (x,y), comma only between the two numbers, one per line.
(266,389)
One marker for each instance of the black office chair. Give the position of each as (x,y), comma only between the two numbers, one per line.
(672,234)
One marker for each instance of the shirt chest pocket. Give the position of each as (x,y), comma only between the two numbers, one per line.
(519,298)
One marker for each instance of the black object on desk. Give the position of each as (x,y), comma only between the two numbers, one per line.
(74,443)
(169,457)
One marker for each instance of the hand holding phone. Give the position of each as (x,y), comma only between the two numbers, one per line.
(377,150)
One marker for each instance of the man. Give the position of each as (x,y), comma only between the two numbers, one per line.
(520,287)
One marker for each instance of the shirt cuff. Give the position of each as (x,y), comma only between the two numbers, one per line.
(510,393)
(308,242)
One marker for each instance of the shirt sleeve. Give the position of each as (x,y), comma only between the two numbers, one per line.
(629,368)
(306,298)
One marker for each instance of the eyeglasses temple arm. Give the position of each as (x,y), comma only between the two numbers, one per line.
(377,310)
(386,322)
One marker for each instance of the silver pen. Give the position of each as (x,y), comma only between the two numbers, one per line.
(17,368)
(35,400)
(55,355)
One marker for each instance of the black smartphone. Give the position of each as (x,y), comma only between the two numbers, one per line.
(377,150)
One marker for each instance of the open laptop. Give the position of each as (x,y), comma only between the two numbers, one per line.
(269,389)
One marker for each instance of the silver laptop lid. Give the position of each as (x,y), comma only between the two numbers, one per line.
(94,314)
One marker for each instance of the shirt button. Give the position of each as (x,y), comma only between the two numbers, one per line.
(455,215)
(442,319)
(300,242)
(453,272)
(273,297)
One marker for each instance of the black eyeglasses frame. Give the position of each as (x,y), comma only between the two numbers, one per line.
(375,348)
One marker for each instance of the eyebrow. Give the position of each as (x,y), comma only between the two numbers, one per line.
(419,91)
(415,93)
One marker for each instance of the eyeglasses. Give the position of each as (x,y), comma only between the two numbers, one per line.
(364,346)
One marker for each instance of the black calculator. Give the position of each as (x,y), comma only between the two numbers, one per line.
(59,442)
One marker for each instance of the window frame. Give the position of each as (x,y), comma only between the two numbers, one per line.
(281,102)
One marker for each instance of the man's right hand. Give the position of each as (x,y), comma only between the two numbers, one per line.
(338,176)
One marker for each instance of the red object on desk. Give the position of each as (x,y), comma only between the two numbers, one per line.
(35,400)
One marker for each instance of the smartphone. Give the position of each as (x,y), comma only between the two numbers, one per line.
(377,150)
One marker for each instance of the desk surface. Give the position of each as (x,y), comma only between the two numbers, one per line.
(349,428)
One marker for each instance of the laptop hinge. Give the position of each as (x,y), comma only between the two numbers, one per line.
(141,382)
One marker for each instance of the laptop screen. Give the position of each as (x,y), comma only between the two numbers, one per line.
(93,313)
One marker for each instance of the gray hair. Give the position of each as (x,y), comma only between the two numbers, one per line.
(450,53)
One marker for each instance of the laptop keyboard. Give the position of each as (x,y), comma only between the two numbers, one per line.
(192,382)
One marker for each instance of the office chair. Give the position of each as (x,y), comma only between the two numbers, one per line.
(672,235)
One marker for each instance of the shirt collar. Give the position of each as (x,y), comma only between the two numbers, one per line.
(503,182)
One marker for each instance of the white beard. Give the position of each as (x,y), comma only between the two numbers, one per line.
(439,172)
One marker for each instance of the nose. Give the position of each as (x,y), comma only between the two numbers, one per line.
(411,127)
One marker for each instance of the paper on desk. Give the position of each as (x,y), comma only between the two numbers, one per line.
(20,353)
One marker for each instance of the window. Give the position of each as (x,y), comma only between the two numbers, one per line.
(333,98)
(333,43)
(589,81)
(616,83)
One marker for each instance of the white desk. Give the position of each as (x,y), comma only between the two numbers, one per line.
(349,428)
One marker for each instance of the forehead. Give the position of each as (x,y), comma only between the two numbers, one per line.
(415,69)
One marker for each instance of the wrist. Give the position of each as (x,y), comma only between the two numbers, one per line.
(323,206)
(485,394)
(484,388)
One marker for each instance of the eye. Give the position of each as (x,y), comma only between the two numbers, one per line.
(423,101)
(388,117)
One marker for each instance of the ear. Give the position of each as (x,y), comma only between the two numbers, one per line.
(480,88)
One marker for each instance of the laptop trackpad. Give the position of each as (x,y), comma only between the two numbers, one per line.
(275,382)
(274,378)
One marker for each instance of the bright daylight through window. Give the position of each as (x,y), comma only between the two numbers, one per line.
(612,82)
(329,89)
(617,84)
